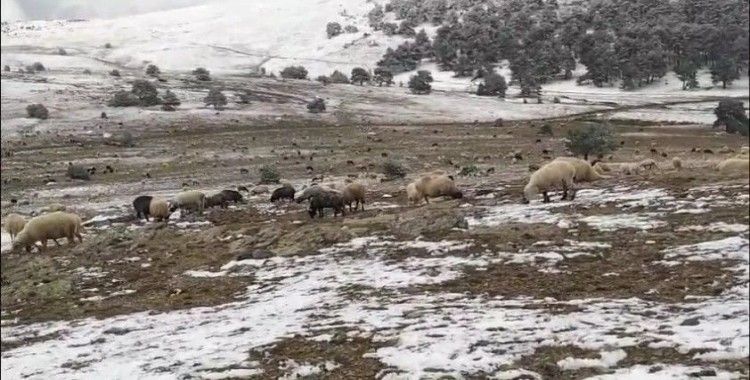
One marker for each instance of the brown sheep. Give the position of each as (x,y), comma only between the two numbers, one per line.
(734,166)
(433,186)
(159,209)
(53,226)
(584,171)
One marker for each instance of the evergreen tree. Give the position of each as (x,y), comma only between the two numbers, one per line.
(360,75)
(383,76)
(152,70)
(494,85)
(420,83)
(338,77)
(333,29)
(146,93)
(686,71)
(215,98)
(724,71)
(170,99)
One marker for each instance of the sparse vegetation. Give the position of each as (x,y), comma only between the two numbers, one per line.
(124,98)
(338,77)
(420,83)
(37,111)
(108,45)
(351,29)
(545,130)
(170,99)
(360,75)
(115,73)
(593,139)
(731,114)
(35,67)
(6,68)
(393,169)
(202,74)
(333,29)
(215,98)
(61,51)
(317,105)
(294,72)
(152,70)
(269,174)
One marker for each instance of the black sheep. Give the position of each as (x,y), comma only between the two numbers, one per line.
(284,192)
(216,200)
(326,199)
(232,196)
(141,205)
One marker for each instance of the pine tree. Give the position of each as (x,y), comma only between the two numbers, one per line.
(170,99)
(686,71)
(420,83)
(360,75)
(215,98)
(383,76)
(338,77)
(724,70)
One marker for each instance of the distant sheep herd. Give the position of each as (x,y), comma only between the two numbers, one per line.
(562,173)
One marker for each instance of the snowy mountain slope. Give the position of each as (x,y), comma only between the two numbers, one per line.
(227,36)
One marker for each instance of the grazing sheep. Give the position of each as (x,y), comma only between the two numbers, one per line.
(412,194)
(141,205)
(191,200)
(232,196)
(354,192)
(284,192)
(14,224)
(432,186)
(744,152)
(677,163)
(312,191)
(556,173)
(326,199)
(242,188)
(584,171)
(734,166)
(53,226)
(648,164)
(216,200)
(159,209)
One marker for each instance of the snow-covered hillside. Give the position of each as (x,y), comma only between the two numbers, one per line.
(226,36)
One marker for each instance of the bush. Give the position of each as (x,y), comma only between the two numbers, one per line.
(146,92)
(124,98)
(383,76)
(6,68)
(87,71)
(338,77)
(215,98)
(393,169)
(333,29)
(545,130)
(108,45)
(593,139)
(61,51)
(202,74)
(294,72)
(78,172)
(351,29)
(731,114)
(323,79)
(115,73)
(317,105)
(269,174)
(153,70)
(37,111)
(167,107)
(244,98)
(494,85)
(360,75)
(389,28)
(556,100)
(36,66)
(471,170)
(420,83)
(170,99)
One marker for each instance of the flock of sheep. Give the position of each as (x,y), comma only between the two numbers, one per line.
(562,173)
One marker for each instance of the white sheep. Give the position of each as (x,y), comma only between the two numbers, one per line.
(412,195)
(584,171)
(556,173)
(191,200)
(734,166)
(14,223)
(159,209)
(53,226)
(433,186)
(354,192)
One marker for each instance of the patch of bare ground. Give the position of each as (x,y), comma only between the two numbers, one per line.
(348,353)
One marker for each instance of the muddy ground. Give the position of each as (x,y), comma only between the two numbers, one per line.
(126,266)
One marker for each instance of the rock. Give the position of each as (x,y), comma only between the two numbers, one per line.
(427,221)
(708,372)
(691,322)
(260,189)
(256,254)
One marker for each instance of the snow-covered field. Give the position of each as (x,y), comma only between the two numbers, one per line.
(423,334)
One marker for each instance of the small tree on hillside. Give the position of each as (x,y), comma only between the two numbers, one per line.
(333,29)
(420,83)
(294,72)
(383,76)
(124,99)
(593,139)
(338,77)
(152,70)
(724,70)
(686,72)
(37,111)
(215,98)
(317,105)
(170,99)
(34,67)
(146,93)
(202,74)
(323,79)
(360,75)
(731,114)
(494,85)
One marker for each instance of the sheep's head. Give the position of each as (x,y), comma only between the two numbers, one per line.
(22,241)
(457,194)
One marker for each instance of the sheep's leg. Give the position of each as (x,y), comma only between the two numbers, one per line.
(363,204)
(565,191)
(57,243)
(546,197)
(426,199)
(44,245)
